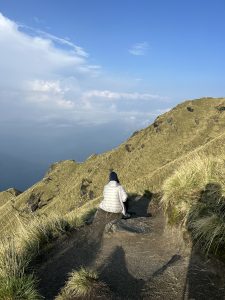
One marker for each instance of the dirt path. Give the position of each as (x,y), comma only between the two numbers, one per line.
(153,265)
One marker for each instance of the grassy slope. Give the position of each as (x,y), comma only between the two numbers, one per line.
(143,162)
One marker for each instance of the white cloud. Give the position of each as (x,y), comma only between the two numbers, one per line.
(78,50)
(48,93)
(45,82)
(106,94)
(45,86)
(139,49)
(25,57)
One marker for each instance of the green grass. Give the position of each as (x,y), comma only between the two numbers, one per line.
(19,288)
(15,283)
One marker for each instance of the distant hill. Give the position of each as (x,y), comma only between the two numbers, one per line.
(142,162)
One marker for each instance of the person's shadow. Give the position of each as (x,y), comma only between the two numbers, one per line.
(82,249)
(63,259)
(114,272)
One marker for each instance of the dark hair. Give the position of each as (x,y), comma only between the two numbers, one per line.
(113,177)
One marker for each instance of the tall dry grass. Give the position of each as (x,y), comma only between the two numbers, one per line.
(194,196)
(19,251)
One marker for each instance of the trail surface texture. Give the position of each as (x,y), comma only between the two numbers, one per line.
(139,258)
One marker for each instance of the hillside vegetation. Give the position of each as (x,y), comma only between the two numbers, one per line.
(180,156)
(143,162)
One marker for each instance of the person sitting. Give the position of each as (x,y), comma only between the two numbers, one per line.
(114,197)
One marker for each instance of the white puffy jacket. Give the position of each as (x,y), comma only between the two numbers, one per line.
(114,196)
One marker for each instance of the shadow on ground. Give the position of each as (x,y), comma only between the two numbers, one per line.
(203,280)
(114,272)
(205,275)
(170,273)
(53,273)
(81,249)
(138,205)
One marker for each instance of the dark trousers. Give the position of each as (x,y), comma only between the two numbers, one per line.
(126,205)
(103,217)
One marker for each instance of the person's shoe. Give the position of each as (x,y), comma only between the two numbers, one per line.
(126,216)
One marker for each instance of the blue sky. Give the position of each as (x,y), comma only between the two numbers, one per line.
(81,76)
(185,39)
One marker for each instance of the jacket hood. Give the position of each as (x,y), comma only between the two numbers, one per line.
(113,183)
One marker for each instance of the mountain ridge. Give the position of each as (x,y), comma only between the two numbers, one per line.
(140,161)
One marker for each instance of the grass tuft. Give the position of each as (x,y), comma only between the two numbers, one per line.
(84,284)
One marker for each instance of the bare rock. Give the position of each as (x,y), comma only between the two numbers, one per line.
(33,202)
(135,226)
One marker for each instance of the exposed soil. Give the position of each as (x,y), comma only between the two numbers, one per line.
(153,265)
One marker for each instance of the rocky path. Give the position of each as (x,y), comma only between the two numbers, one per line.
(138,258)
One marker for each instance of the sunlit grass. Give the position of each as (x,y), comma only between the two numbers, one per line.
(83,284)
